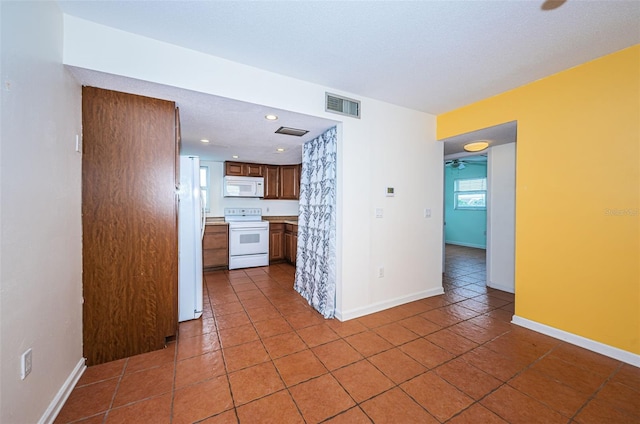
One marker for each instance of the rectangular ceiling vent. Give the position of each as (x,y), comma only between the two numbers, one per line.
(342,105)
(291,131)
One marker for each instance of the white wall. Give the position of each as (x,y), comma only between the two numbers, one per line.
(390,145)
(501,214)
(218,202)
(41,279)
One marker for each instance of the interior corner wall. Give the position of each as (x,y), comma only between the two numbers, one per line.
(388,146)
(41,274)
(501,203)
(577,195)
(464,227)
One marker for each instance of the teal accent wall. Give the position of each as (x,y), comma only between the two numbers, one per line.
(464,227)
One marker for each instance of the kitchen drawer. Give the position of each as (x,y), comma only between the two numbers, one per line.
(214,240)
(215,246)
(215,257)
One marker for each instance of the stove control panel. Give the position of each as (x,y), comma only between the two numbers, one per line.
(242,211)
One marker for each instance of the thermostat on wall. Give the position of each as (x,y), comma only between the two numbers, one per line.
(391,191)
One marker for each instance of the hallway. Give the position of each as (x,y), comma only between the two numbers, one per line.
(260,354)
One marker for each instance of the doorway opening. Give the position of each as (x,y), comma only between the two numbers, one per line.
(479,208)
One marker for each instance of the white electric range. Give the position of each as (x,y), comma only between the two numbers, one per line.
(248,237)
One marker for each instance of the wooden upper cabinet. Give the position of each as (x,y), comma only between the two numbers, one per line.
(271,181)
(290,182)
(234,168)
(241,169)
(280,181)
(254,169)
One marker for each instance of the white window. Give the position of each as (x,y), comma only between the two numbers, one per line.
(204,187)
(470,193)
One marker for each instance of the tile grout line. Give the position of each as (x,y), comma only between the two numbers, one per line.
(115,392)
(595,393)
(372,329)
(224,359)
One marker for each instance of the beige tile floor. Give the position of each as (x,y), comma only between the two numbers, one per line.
(260,354)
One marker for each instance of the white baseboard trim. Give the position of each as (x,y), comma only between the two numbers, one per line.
(61,397)
(592,345)
(500,287)
(460,243)
(381,306)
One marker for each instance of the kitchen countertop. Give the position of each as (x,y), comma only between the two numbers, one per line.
(293,220)
(281,219)
(215,221)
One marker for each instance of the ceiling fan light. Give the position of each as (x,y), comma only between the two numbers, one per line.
(476,146)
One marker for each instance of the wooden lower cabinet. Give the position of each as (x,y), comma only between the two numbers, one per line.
(276,242)
(215,247)
(294,247)
(290,243)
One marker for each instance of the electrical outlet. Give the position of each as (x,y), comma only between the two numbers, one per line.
(427,213)
(25,364)
(380,271)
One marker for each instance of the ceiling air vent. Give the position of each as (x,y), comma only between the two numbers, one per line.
(291,131)
(342,105)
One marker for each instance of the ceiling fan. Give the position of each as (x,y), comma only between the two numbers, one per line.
(457,163)
(462,163)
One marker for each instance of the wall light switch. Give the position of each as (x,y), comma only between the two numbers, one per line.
(25,364)
(379,212)
(427,213)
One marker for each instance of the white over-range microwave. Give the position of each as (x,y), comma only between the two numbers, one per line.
(243,186)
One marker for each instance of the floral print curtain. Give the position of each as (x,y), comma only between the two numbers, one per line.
(316,256)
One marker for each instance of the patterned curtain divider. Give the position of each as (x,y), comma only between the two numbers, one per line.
(316,255)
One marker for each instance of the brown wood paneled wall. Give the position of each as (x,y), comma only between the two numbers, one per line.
(130,253)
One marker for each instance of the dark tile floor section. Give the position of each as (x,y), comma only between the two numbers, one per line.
(260,354)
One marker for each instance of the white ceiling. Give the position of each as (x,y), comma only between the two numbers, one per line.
(432,56)
(232,127)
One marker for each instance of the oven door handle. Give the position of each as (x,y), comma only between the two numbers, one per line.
(245,229)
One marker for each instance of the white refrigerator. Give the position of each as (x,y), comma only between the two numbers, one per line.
(191,219)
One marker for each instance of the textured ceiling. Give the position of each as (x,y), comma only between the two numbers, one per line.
(432,56)
(233,128)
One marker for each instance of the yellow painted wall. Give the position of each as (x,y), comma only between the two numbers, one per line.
(577,195)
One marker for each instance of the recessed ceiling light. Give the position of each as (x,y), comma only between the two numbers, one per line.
(280,149)
(476,146)
(271,117)
(204,140)
(235,156)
